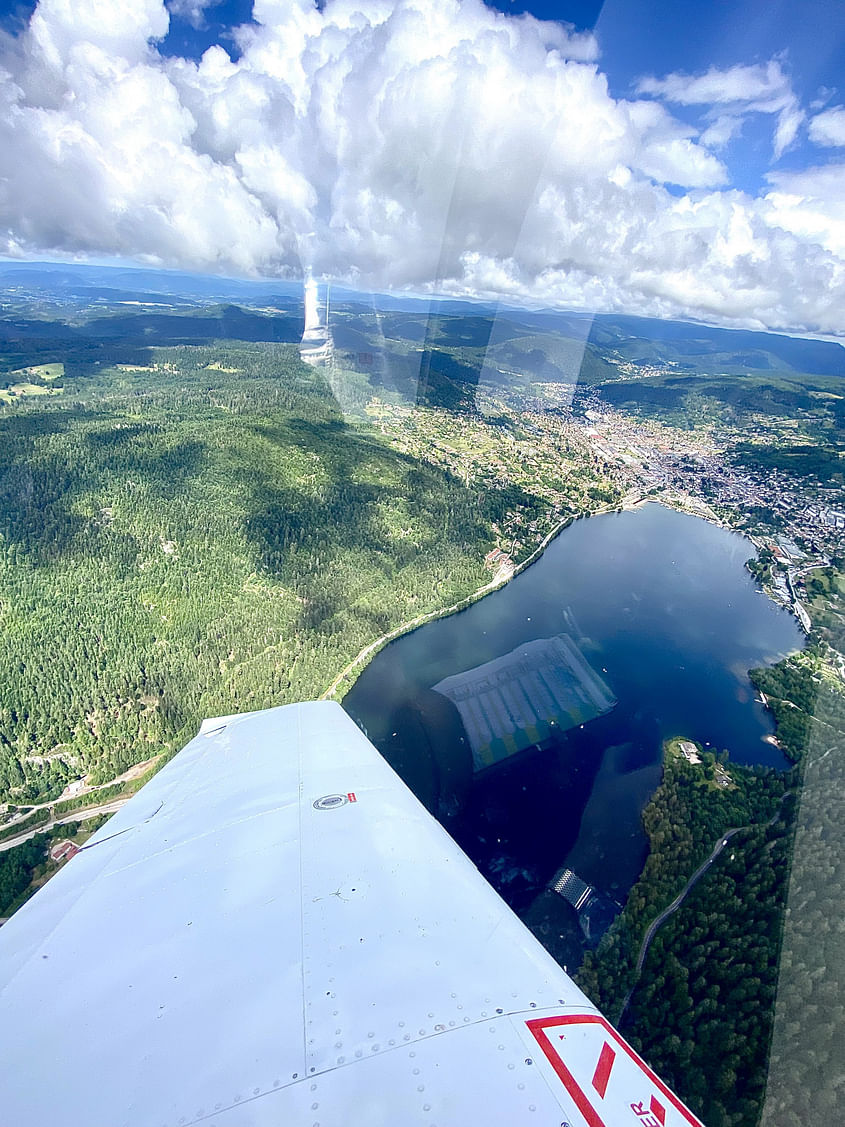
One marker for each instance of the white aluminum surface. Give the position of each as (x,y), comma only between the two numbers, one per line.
(225,949)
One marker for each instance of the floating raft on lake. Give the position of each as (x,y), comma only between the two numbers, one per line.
(519,700)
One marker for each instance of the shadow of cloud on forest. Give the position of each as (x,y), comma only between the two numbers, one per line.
(128,338)
(301,533)
(37,517)
(134,454)
(35,491)
(145,330)
(34,514)
(48,488)
(46,342)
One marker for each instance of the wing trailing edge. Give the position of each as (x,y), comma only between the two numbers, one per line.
(275,931)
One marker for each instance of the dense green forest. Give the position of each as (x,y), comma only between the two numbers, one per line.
(702,1014)
(821,463)
(809,1026)
(767,403)
(698,1012)
(752,958)
(197,533)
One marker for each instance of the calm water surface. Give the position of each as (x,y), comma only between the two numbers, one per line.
(661,607)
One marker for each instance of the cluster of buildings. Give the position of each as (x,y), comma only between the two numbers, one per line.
(656,457)
(566,445)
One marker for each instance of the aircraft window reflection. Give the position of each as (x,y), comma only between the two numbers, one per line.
(477,366)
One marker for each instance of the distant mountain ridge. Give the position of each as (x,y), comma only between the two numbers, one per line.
(638,339)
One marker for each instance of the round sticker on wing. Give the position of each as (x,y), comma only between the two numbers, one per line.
(330,801)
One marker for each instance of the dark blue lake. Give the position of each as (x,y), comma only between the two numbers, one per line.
(662,611)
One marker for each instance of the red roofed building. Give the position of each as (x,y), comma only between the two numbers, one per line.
(63,850)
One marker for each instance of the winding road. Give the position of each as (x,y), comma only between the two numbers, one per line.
(679,899)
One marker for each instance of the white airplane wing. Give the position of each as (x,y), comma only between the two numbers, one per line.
(275,932)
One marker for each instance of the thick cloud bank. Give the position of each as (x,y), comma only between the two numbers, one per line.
(421,143)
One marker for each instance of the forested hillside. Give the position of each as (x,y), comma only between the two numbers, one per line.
(198,533)
(701,1011)
(751,959)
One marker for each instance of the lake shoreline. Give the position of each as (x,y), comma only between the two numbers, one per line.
(366,655)
(661,606)
(629,503)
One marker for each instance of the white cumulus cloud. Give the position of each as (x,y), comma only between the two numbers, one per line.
(828,128)
(192,11)
(423,143)
(811,205)
(743,89)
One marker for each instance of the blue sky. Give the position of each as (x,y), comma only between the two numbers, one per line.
(665,156)
(636,38)
(654,37)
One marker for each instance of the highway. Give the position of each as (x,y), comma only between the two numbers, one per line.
(75,816)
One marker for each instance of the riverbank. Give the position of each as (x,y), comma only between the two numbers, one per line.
(503,576)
